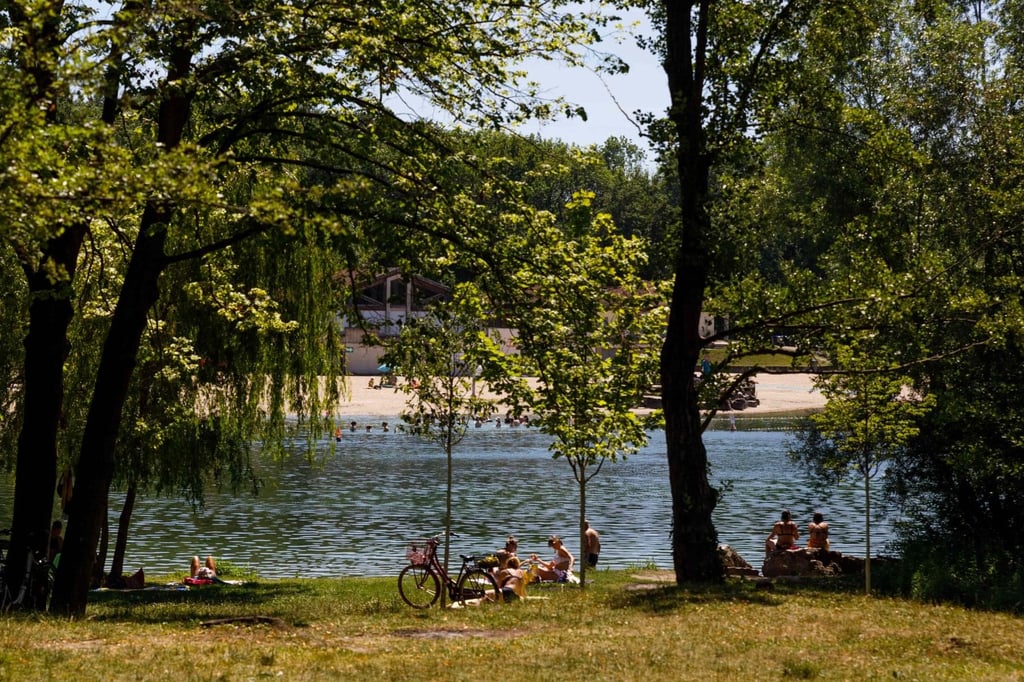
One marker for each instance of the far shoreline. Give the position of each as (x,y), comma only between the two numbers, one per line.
(780,395)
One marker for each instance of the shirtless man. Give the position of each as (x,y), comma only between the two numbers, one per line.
(593,544)
(783,536)
(817,532)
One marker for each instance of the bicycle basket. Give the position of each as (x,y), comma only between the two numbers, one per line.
(417,553)
(489,561)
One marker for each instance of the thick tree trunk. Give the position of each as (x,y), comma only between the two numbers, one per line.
(694,540)
(117,363)
(96,461)
(46,349)
(50,314)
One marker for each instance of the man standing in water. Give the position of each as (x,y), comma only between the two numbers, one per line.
(593,544)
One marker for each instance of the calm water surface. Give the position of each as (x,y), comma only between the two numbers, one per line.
(354,510)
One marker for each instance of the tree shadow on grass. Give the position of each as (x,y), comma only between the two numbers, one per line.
(208,602)
(666,599)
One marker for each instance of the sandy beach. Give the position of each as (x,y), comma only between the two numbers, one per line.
(777,393)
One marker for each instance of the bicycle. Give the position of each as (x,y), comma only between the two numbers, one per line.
(419,583)
(35,586)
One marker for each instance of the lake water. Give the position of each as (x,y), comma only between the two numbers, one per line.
(354,511)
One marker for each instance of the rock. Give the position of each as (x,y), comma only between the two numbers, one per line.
(803,562)
(733,563)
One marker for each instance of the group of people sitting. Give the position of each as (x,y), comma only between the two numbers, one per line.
(512,578)
(785,534)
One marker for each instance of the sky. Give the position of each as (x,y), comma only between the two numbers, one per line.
(644,87)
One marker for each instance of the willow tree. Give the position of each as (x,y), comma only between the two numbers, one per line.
(588,328)
(224,114)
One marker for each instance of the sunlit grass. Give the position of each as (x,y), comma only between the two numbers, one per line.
(629,625)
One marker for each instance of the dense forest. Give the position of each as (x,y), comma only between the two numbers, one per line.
(191,191)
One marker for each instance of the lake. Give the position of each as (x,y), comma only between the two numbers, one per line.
(354,511)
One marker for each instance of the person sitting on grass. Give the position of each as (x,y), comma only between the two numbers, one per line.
(512,581)
(560,566)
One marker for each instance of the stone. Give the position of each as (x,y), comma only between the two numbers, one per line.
(733,563)
(803,563)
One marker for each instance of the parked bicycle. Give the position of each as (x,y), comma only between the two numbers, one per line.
(35,583)
(420,582)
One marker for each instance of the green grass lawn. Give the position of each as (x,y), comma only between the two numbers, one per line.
(766,360)
(628,625)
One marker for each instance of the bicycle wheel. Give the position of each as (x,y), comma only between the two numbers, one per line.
(477,584)
(419,586)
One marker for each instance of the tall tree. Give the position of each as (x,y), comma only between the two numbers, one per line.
(717,56)
(225,109)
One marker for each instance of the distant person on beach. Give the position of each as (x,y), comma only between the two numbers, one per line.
(337,434)
(817,533)
(384,427)
(593,544)
(352,427)
(783,536)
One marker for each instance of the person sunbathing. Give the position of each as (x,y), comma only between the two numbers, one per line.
(203,574)
(817,532)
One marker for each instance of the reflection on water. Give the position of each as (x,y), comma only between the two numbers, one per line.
(354,511)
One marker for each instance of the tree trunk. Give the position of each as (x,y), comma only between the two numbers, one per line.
(50,314)
(101,553)
(582,557)
(123,522)
(96,461)
(46,350)
(867,535)
(120,351)
(448,446)
(694,540)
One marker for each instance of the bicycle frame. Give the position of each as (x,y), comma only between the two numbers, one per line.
(435,565)
(421,582)
(7,600)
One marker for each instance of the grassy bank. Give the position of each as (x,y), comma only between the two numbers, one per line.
(626,626)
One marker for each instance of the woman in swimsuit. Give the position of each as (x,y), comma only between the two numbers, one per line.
(560,566)
(783,536)
(817,532)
